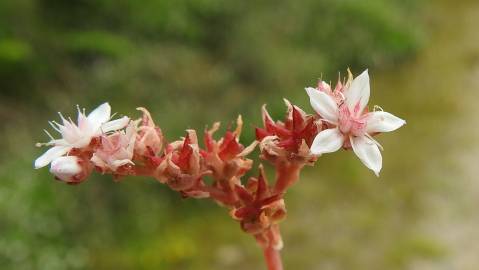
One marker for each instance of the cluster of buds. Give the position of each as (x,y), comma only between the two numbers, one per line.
(184,164)
(71,156)
(125,147)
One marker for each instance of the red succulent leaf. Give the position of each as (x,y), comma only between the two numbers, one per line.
(185,153)
(269,200)
(246,212)
(261,133)
(209,142)
(230,147)
(244,195)
(267,120)
(288,144)
(262,188)
(298,119)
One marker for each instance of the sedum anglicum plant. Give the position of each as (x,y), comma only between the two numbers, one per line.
(126,147)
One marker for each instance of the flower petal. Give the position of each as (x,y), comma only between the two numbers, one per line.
(368,152)
(115,164)
(98,161)
(51,154)
(323,104)
(100,115)
(383,122)
(327,141)
(357,95)
(115,124)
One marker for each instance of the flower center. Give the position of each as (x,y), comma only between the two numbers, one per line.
(350,124)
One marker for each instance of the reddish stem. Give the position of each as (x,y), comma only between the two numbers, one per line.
(143,171)
(287,173)
(273,258)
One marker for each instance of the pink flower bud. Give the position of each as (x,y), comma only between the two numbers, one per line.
(69,169)
(149,141)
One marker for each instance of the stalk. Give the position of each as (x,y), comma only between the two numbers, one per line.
(272,258)
(287,173)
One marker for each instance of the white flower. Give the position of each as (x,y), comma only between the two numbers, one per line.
(352,124)
(79,135)
(66,168)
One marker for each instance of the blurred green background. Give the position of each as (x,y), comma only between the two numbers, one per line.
(193,62)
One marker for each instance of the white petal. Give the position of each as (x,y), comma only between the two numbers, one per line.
(327,141)
(115,124)
(51,154)
(357,95)
(82,142)
(82,121)
(383,122)
(100,115)
(323,104)
(115,164)
(368,152)
(97,161)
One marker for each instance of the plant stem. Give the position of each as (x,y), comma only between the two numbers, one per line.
(273,258)
(287,173)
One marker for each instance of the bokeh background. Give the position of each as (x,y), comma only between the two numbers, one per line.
(193,62)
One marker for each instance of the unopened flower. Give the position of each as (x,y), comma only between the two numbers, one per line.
(338,92)
(115,150)
(182,168)
(81,134)
(149,141)
(70,169)
(351,125)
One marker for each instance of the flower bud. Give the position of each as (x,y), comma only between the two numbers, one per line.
(149,141)
(68,169)
(181,168)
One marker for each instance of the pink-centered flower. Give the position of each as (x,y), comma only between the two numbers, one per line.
(79,135)
(116,150)
(352,125)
